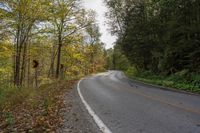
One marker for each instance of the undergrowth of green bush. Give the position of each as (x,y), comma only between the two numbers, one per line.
(182,80)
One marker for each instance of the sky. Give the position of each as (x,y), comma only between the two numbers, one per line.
(100,8)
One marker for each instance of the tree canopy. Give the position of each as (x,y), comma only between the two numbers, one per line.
(161,36)
(54,35)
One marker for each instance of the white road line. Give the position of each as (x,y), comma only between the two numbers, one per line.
(97,120)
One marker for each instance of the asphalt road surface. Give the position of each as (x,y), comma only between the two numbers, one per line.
(127,106)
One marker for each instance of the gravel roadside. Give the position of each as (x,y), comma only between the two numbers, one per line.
(76,117)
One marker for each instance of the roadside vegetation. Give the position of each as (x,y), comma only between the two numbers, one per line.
(180,80)
(158,41)
(33,110)
(44,47)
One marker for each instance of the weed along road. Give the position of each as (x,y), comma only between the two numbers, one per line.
(120,105)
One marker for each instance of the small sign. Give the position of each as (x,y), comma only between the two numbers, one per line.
(61,66)
(35,63)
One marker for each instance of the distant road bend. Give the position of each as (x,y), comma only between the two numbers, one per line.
(127,106)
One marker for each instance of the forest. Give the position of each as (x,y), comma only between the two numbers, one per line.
(43,42)
(158,41)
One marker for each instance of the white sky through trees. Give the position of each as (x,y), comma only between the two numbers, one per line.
(100,8)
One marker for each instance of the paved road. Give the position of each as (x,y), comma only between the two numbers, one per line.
(127,106)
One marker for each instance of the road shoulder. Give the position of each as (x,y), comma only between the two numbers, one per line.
(76,117)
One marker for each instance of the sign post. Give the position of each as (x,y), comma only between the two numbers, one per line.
(35,66)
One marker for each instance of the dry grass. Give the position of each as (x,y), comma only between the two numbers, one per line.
(33,110)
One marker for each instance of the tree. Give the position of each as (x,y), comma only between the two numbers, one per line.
(161,36)
(20,17)
(93,40)
(45,32)
(66,18)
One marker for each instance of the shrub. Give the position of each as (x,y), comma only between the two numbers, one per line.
(131,71)
(181,80)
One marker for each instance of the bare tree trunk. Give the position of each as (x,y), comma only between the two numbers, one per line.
(51,69)
(18,64)
(22,36)
(14,65)
(114,60)
(59,56)
(16,73)
(36,77)
(28,72)
(23,67)
(58,61)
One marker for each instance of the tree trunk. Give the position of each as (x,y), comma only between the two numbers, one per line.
(36,77)
(59,56)
(51,69)
(113,60)
(28,72)
(17,65)
(23,67)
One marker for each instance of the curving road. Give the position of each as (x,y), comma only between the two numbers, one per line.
(127,106)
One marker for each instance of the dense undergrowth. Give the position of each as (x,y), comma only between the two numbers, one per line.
(182,80)
(32,110)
